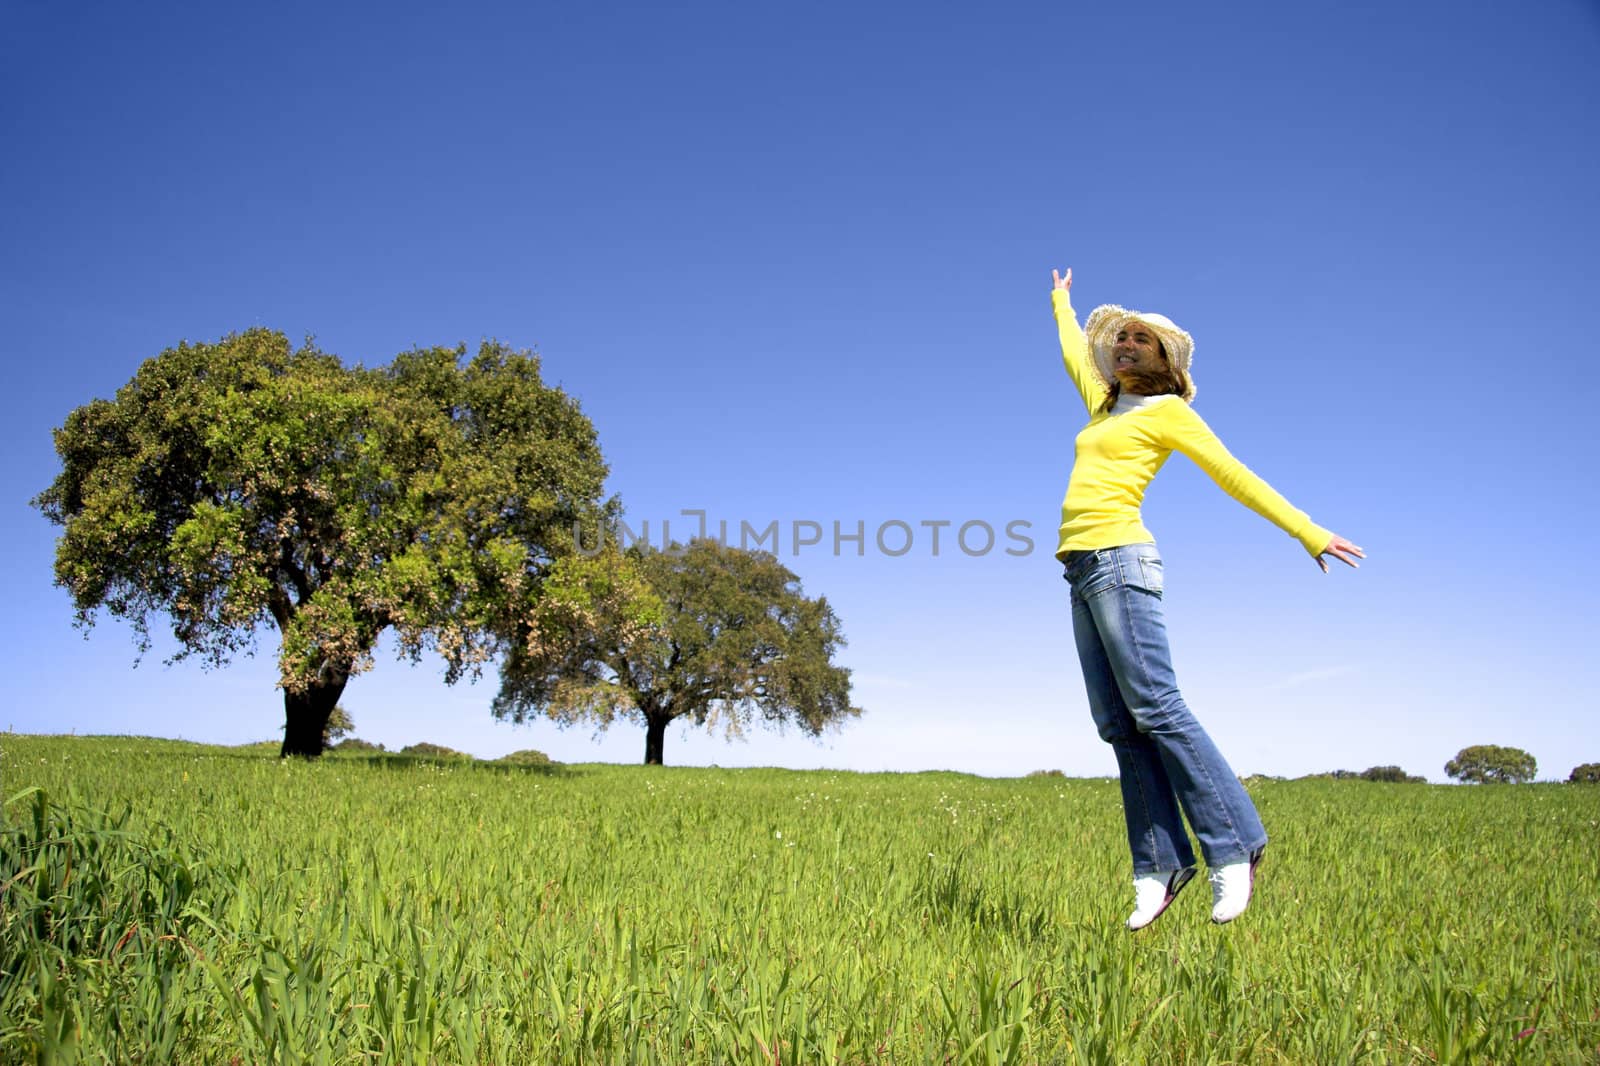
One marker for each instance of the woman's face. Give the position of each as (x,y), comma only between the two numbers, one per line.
(1136,355)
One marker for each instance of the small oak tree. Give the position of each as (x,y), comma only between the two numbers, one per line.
(1587,774)
(243,482)
(707,633)
(339,726)
(1491,763)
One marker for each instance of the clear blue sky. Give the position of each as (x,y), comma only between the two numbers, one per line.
(794,261)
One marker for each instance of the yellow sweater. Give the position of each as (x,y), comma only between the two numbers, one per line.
(1117,455)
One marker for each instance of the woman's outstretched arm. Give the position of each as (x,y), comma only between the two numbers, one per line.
(1341,550)
(1186,432)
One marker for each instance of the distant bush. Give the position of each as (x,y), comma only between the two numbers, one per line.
(433,751)
(526,757)
(1371,773)
(356,744)
(1392,774)
(1046,773)
(1587,774)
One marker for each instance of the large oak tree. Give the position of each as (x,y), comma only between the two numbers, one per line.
(705,633)
(233,484)
(1492,763)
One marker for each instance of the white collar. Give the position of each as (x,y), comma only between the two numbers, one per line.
(1129,401)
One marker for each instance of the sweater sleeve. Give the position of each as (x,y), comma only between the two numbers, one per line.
(1188,433)
(1075,352)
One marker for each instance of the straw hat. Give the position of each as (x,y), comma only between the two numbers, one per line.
(1107,320)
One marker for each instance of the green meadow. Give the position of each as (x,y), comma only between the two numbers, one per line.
(164,902)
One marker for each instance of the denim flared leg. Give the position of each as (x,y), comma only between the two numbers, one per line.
(1120,589)
(1156,837)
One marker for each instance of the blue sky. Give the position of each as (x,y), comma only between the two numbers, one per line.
(794,261)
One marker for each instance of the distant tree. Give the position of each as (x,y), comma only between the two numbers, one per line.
(340,725)
(356,744)
(1588,774)
(706,633)
(1486,763)
(1390,773)
(433,751)
(238,483)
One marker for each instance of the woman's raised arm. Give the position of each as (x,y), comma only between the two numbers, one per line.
(1074,345)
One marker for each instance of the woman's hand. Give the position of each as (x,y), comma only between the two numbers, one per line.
(1062,283)
(1341,550)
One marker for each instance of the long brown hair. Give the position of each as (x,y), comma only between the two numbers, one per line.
(1175,382)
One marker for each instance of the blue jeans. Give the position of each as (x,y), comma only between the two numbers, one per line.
(1165,758)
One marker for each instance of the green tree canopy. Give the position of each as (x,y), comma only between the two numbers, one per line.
(241,482)
(716,635)
(1486,763)
(1588,774)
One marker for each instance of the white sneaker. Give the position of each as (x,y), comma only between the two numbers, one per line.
(1230,887)
(1154,893)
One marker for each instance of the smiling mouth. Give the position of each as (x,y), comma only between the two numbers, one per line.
(1125,360)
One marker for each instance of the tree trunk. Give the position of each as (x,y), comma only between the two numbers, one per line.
(305,716)
(655,738)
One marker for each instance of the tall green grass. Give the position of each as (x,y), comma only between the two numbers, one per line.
(166,903)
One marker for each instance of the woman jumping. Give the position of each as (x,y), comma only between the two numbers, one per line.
(1132,370)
